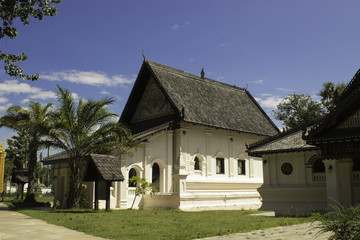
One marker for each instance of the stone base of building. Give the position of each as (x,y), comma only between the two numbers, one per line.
(293,201)
(204,201)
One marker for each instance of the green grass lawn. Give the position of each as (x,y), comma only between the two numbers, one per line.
(159,224)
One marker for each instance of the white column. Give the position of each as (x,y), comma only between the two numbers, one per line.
(147,170)
(208,153)
(170,161)
(339,184)
(123,186)
(231,166)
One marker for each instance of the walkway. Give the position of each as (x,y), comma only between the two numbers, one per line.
(14,226)
(304,231)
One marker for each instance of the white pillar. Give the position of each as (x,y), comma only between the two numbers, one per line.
(208,155)
(339,184)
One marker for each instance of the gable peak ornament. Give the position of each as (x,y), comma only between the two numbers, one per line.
(202,73)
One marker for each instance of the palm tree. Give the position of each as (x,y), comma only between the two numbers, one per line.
(83,128)
(33,123)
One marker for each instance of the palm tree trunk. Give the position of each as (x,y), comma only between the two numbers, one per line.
(30,195)
(76,180)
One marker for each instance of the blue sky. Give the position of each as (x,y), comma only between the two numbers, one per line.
(94,48)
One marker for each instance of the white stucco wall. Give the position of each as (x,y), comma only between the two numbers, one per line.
(295,194)
(184,187)
(181,186)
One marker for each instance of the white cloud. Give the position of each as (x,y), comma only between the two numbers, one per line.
(285,90)
(268,101)
(175,26)
(260,81)
(25,100)
(103,92)
(5,107)
(14,87)
(3,100)
(75,95)
(88,78)
(44,95)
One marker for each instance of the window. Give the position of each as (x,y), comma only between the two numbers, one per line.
(132,173)
(241,167)
(220,166)
(286,168)
(197,164)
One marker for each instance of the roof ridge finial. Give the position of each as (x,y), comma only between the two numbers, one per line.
(144,55)
(202,73)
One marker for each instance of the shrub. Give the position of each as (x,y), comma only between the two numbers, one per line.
(343,222)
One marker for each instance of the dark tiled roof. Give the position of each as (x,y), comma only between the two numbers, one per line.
(289,141)
(107,166)
(205,101)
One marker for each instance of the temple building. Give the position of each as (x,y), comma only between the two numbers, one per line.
(194,133)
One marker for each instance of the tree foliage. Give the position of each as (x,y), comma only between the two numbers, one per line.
(21,10)
(83,128)
(32,123)
(15,154)
(330,94)
(299,109)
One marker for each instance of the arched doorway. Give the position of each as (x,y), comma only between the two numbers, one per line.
(156,176)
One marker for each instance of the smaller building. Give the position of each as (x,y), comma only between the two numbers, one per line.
(294,174)
(317,166)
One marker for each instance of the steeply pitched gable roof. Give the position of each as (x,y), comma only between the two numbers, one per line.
(202,101)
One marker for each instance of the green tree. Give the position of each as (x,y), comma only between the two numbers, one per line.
(83,128)
(330,94)
(15,154)
(21,11)
(298,109)
(33,124)
(142,187)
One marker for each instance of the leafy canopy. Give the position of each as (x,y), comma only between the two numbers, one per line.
(15,154)
(32,123)
(299,109)
(21,10)
(330,94)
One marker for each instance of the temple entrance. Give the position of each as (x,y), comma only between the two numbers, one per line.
(156,176)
